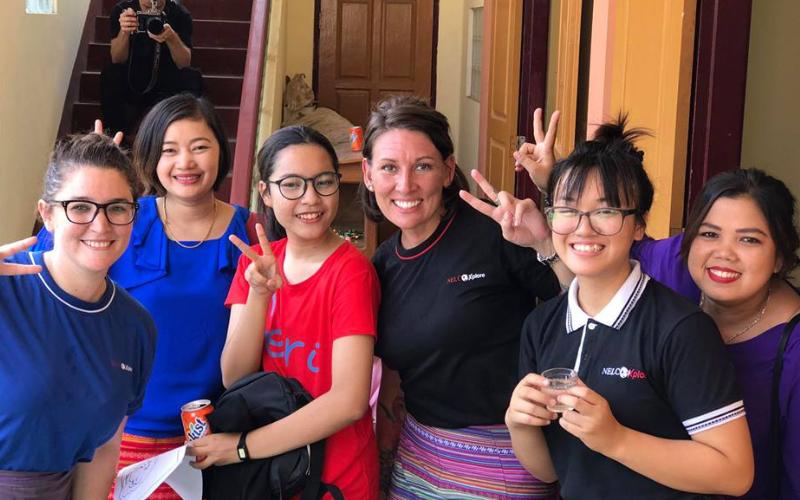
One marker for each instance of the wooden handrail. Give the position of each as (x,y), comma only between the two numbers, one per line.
(247,127)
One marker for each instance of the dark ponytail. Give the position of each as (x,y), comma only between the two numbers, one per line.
(612,153)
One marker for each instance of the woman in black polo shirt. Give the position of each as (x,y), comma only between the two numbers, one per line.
(656,412)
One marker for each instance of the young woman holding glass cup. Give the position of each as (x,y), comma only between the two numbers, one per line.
(657,413)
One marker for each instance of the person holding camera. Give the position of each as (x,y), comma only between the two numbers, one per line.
(151,49)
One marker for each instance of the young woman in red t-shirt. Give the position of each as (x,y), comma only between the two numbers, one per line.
(304,306)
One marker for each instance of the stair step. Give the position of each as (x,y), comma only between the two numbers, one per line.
(85,113)
(205,33)
(210,60)
(229,116)
(222,90)
(236,10)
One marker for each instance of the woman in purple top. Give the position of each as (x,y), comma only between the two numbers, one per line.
(739,245)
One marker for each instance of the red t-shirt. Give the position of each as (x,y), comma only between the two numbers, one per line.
(302,322)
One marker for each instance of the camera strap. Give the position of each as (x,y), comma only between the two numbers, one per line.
(153,73)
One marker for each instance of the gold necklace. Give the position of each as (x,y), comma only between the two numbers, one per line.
(758,317)
(173,238)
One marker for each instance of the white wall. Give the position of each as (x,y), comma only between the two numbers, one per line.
(771,139)
(451,79)
(36,59)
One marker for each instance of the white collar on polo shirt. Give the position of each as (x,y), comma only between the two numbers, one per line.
(617,310)
(613,314)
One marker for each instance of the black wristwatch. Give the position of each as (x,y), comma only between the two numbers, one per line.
(241,448)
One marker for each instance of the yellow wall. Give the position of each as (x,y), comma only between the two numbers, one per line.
(36,59)
(771,138)
(300,38)
(653,45)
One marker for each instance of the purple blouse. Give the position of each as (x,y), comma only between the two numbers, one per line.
(753,360)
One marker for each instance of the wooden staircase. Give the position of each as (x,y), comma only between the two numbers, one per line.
(219,38)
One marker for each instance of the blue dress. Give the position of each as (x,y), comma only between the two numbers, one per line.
(184,290)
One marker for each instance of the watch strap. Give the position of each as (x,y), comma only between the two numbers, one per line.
(241,448)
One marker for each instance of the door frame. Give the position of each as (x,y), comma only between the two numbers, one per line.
(532,79)
(716,122)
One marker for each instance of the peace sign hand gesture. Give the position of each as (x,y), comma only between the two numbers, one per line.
(262,273)
(98,129)
(520,220)
(9,269)
(538,159)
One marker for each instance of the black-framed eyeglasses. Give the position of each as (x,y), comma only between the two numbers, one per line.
(293,187)
(604,221)
(118,213)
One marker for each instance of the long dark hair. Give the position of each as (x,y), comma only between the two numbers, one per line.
(268,154)
(150,137)
(618,163)
(410,113)
(772,197)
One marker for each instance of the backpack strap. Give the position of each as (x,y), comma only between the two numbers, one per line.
(314,488)
(775,412)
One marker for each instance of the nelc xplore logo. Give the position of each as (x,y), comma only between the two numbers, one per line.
(466,277)
(624,373)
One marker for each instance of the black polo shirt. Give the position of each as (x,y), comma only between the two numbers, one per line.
(450,318)
(658,361)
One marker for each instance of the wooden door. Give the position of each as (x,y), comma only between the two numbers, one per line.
(369,49)
(502,31)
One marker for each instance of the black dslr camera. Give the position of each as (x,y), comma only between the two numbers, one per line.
(151,20)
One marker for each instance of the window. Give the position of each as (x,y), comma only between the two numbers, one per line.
(475,48)
(40,6)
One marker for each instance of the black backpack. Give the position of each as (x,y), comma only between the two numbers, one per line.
(254,401)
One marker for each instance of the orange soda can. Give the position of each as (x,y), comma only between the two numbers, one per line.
(356,138)
(195,419)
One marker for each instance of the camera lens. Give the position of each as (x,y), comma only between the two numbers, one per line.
(155,26)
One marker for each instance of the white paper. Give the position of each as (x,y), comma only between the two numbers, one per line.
(137,481)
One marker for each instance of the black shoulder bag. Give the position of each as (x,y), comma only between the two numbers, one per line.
(775,412)
(254,401)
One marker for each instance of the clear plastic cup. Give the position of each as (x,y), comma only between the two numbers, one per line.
(560,380)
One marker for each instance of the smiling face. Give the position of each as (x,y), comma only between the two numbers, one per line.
(189,161)
(733,256)
(589,255)
(309,217)
(407,175)
(94,247)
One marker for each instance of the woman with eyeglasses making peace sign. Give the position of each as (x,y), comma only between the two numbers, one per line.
(77,349)
(304,306)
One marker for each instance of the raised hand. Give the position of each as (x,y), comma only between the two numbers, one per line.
(538,159)
(128,23)
(262,273)
(165,35)
(98,129)
(520,220)
(529,403)
(8,269)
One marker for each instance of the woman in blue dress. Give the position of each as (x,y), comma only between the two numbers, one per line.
(179,265)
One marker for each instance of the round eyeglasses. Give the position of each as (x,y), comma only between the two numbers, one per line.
(604,221)
(118,213)
(293,187)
